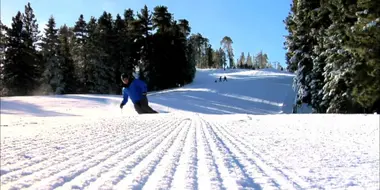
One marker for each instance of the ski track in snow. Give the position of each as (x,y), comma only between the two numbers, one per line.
(175,151)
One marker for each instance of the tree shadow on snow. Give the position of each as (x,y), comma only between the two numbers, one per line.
(104,99)
(14,107)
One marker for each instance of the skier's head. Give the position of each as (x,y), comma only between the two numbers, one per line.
(125,78)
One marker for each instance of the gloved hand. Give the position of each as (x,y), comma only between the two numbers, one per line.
(121,105)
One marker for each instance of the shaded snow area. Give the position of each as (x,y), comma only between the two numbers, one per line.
(225,135)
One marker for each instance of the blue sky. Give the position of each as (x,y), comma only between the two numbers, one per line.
(253,25)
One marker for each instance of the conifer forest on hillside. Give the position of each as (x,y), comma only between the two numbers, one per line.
(90,56)
(333,48)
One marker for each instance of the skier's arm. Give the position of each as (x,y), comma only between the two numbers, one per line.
(125,97)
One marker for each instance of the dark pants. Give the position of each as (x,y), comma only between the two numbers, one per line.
(142,106)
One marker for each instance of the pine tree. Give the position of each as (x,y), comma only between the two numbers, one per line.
(320,23)
(241,63)
(106,46)
(180,60)
(227,46)
(364,44)
(131,45)
(184,27)
(291,46)
(216,59)
(79,52)
(161,19)
(210,59)
(3,37)
(261,60)
(53,73)
(17,68)
(121,45)
(142,29)
(338,72)
(300,47)
(197,42)
(189,67)
(249,62)
(31,36)
(95,68)
(223,58)
(67,64)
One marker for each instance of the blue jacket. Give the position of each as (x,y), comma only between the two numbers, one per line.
(135,91)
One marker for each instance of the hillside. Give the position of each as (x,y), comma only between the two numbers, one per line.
(210,135)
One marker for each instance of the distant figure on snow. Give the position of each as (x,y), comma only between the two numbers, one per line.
(136,89)
(225,78)
(220,79)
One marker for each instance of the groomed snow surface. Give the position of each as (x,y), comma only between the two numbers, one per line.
(237,134)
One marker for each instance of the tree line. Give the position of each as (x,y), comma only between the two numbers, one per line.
(260,61)
(90,56)
(208,57)
(334,50)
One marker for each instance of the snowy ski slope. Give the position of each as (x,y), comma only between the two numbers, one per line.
(228,135)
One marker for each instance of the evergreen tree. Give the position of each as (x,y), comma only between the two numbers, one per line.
(338,72)
(199,45)
(291,26)
(216,59)
(223,58)
(3,37)
(301,43)
(53,73)
(210,59)
(131,45)
(142,29)
(261,60)
(121,47)
(31,36)
(241,63)
(105,43)
(95,67)
(249,62)
(67,63)
(227,46)
(191,62)
(184,27)
(79,52)
(364,44)
(17,68)
(320,23)
(161,19)
(3,32)
(22,65)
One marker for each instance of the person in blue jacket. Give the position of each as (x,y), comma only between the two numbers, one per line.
(135,89)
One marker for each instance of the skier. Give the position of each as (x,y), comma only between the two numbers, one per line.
(136,89)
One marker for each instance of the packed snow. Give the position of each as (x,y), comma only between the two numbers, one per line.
(234,134)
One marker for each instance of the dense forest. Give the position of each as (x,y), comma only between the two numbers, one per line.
(334,49)
(90,56)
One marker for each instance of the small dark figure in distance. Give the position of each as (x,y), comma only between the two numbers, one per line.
(216,80)
(136,89)
(225,78)
(220,79)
